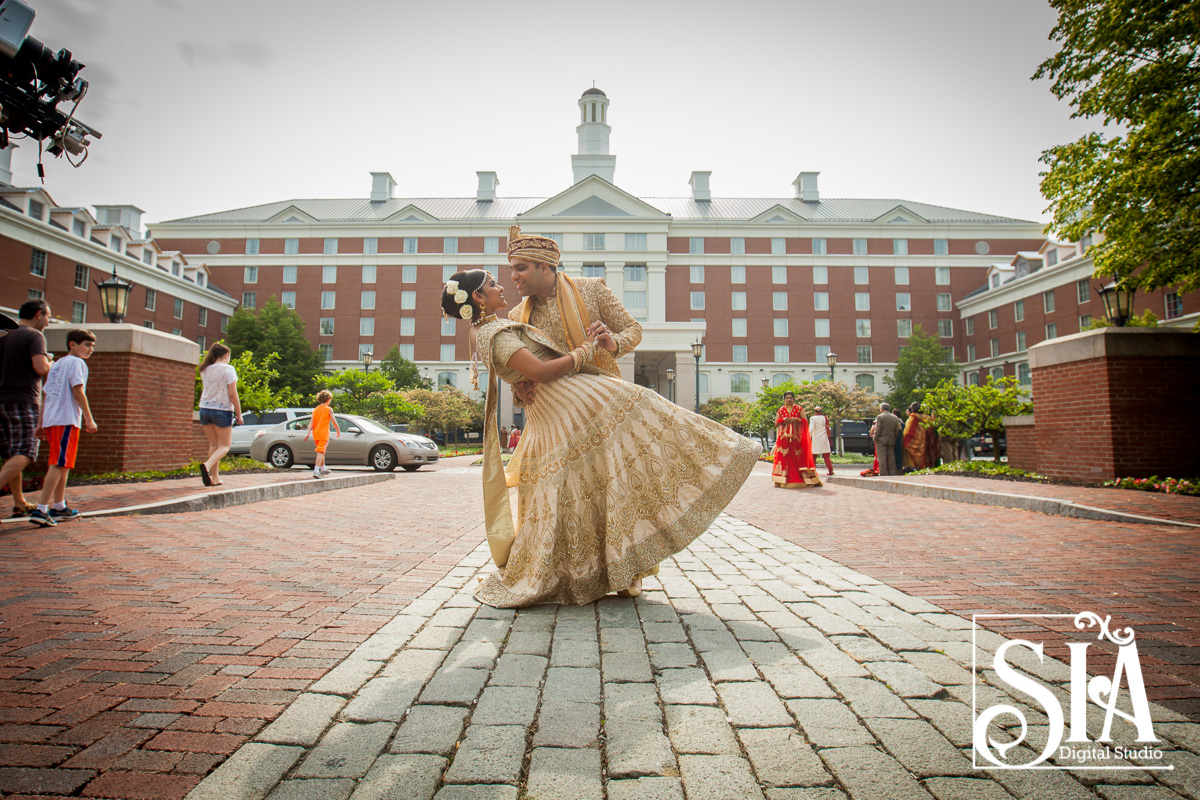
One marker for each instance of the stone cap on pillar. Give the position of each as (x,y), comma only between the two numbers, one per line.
(1115,343)
(122,337)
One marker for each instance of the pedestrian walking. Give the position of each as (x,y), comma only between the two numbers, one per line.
(514,438)
(504,439)
(821,437)
(220,408)
(23,363)
(886,432)
(318,428)
(792,464)
(65,410)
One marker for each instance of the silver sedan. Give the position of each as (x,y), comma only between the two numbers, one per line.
(363,442)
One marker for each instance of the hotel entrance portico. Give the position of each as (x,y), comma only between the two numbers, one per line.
(666,346)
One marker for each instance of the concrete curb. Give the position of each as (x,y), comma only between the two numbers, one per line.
(1042,505)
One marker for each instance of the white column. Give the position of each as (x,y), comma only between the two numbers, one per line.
(685,380)
(572,269)
(614,276)
(656,290)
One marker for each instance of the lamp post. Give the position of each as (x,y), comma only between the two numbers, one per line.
(1118,302)
(697,351)
(367,358)
(831,357)
(671,384)
(114,297)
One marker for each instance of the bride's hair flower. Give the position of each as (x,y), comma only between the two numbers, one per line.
(452,287)
(466,311)
(460,296)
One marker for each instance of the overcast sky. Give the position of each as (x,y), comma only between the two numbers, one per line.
(207,106)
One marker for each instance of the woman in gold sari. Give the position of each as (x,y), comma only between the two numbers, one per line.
(915,438)
(610,477)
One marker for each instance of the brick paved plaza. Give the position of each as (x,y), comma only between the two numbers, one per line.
(813,645)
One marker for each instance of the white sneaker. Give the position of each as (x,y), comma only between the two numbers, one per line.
(326,472)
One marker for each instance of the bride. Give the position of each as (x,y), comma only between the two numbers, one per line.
(610,477)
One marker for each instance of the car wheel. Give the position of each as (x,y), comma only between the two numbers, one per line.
(280,456)
(411,467)
(383,458)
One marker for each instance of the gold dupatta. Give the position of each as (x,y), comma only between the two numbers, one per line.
(571,309)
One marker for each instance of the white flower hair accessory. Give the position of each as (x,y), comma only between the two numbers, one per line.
(466,311)
(452,287)
(460,296)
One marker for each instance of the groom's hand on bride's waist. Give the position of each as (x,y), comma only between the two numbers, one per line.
(525,391)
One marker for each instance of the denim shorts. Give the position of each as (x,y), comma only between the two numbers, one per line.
(216,416)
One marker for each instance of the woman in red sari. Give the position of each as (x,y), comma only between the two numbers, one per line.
(793,464)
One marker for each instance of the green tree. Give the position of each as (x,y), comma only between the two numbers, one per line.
(732,412)
(1132,65)
(277,329)
(254,384)
(390,408)
(352,387)
(921,366)
(961,412)
(446,410)
(1148,319)
(402,372)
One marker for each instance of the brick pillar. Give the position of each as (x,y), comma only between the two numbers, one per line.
(1117,403)
(141,389)
(1021,442)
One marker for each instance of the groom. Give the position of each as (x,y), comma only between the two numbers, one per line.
(566,309)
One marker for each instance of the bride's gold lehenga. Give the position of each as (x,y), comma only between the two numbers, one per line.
(610,479)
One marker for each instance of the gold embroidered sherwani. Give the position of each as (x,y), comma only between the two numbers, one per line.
(602,306)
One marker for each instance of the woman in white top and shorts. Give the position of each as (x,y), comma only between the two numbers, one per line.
(219,408)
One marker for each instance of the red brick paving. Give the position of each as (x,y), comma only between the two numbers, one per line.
(973,559)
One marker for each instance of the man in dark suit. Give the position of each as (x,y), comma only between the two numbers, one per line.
(887,429)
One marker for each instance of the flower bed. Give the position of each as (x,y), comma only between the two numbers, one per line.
(1157,484)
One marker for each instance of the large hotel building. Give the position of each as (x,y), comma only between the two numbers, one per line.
(770,286)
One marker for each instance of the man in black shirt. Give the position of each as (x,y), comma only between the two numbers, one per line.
(23,364)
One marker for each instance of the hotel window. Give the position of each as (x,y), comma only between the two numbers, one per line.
(289,274)
(224,323)
(635,241)
(148,256)
(993,318)
(448,327)
(948,355)
(1023,374)
(903,301)
(203,317)
(697,274)
(370,246)
(738,327)
(408,300)
(594,271)
(697,301)
(152,299)
(635,273)
(1083,290)
(862,328)
(862,301)
(408,273)
(1173,305)
(780,378)
(329,274)
(737,245)
(779,301)
(406,351)
(860,247)
(366,326)
(941,247)
(778,246)
(739,354)
(904,328)
(821,328)
(368,299)
(973,379)
(593,241)
(822,352)
(1085,243)
(997,374)
(861,276)
(779,275)
(970,326)
(782,354)
(864,354)
(364,348)
(250,275)
(145,324)
(410,245)
(739,383)
(943,302)
(81,277)
(450,245)
(252,247)
(993,347)
(331,247)
(1052,331)
(970,352)
(1051,257)
(408,326)
(820,275)
(291,247)
(865,382)
(781,328)
(447,353)
(202,341)
(37,263)
(328,300)
(368,274)
(737,301)
(901,276)
(178,308)
(249,299)
(1048,301)
(79,229)
(175,269)
(737,274)
(491,245)
(819,247)
(946,328)
(36,209)
(820,301)
(899,247)
(1019,310)
(326,326)
(557,238)
(635,302)
(696,244)
(941,276)
(1020,341)
(287,299)
(78,312)
(1085,321)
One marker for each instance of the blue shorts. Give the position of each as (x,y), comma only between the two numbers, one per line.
(216,416)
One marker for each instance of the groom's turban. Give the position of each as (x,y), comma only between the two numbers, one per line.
(534,248)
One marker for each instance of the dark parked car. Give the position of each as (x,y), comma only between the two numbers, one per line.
(465,437)
(982,446)
(856,437)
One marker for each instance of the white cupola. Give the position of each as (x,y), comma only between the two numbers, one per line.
(593,157)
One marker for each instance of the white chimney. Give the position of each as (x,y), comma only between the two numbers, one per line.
(6,164)
(699,184)
(487,187)
(806,187)
(381,186)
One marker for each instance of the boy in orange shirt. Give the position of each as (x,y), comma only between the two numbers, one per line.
(318,427)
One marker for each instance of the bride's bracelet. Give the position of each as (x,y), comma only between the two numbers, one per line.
(585,352)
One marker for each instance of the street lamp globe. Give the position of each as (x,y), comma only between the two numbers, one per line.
(697,352)
(367,358)
(1118,302)
(114,297)
(831,357)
